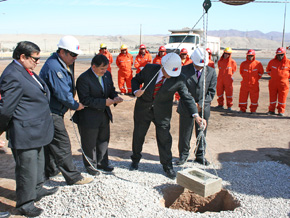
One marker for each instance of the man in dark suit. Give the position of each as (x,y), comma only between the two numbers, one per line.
(155,106)
(194,74)
(25,116)
(96,91)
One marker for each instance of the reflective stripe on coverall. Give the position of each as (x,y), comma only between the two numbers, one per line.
(125,73)
(279,83)
(227,67)
(141,61)
(251,71)
(110,58)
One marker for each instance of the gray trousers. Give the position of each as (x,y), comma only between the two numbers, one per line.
(186,124)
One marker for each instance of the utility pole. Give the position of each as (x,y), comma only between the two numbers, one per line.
(284,25)
(140,34)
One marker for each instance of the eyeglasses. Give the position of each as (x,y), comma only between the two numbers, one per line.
(34,59)
(72,54)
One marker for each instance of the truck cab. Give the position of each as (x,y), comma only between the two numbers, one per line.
(191,39)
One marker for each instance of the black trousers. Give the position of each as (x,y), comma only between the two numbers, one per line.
(29,174)
(186,124)
(95,143)
(164,140)
(59,153)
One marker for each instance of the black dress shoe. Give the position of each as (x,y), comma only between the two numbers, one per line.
(31,212)
(202,161)
(105,168)
(4,214)
(92,171)
(133,166)
(46,192)
(170,173)
(181,161)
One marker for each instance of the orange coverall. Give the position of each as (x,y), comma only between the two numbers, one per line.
(251,71)
(141,61)
(279,83)
(183,62)
(157,59)
(210,62)
(124,62)
(110,58)
(227,67)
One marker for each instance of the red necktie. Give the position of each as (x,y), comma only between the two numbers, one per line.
(158,86)
(30,73)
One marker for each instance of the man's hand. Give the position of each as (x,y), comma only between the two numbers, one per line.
(109,102)
(198,107)
(81,106)
(139,93)
(200,121)
(118,100)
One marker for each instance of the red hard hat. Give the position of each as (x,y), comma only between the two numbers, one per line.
(162,48)
(251,52)
(183,51)
(280,50)
(142,46)
(208,50)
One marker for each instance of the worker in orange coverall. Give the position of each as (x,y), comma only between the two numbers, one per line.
(210,61)
(278,69)
(124,62)
(227,66)
(185,60)
(143,58)
(251,70)
(161,53)
(103,50)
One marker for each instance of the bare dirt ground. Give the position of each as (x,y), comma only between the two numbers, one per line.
(232,136)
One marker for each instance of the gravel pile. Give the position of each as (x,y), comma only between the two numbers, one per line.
(262,188)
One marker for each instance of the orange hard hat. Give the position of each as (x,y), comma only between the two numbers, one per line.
(208,50)
(281,50)
(251,52)
(142,46)
(183,51)
(162,48)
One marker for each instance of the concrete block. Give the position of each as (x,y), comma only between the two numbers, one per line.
(199,181)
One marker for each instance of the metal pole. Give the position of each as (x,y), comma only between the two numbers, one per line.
(284,25)
(140,34)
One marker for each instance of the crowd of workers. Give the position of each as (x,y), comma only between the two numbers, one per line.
(38,138)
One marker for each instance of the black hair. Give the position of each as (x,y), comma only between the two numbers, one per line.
(26,48)
(100,60)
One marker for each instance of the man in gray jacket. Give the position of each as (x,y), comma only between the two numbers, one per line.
(194,74)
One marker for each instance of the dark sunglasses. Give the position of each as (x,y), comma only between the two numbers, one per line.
(72,54)
(34,59)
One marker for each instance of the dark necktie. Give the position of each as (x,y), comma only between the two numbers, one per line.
(158,86)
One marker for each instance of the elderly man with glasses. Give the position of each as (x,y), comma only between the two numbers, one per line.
(58,73)
(25,117)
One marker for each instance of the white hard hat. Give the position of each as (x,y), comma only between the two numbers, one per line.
(70,43)
(172,64)
(200,57)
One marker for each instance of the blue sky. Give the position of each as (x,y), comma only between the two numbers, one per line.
(117,17)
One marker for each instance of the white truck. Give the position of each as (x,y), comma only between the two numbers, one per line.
(193,40)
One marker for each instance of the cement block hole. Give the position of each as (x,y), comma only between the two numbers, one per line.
(177,197)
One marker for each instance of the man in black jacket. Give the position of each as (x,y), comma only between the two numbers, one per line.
(154,104)
(96,91)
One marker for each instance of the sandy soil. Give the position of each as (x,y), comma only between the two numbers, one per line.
(231,136)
